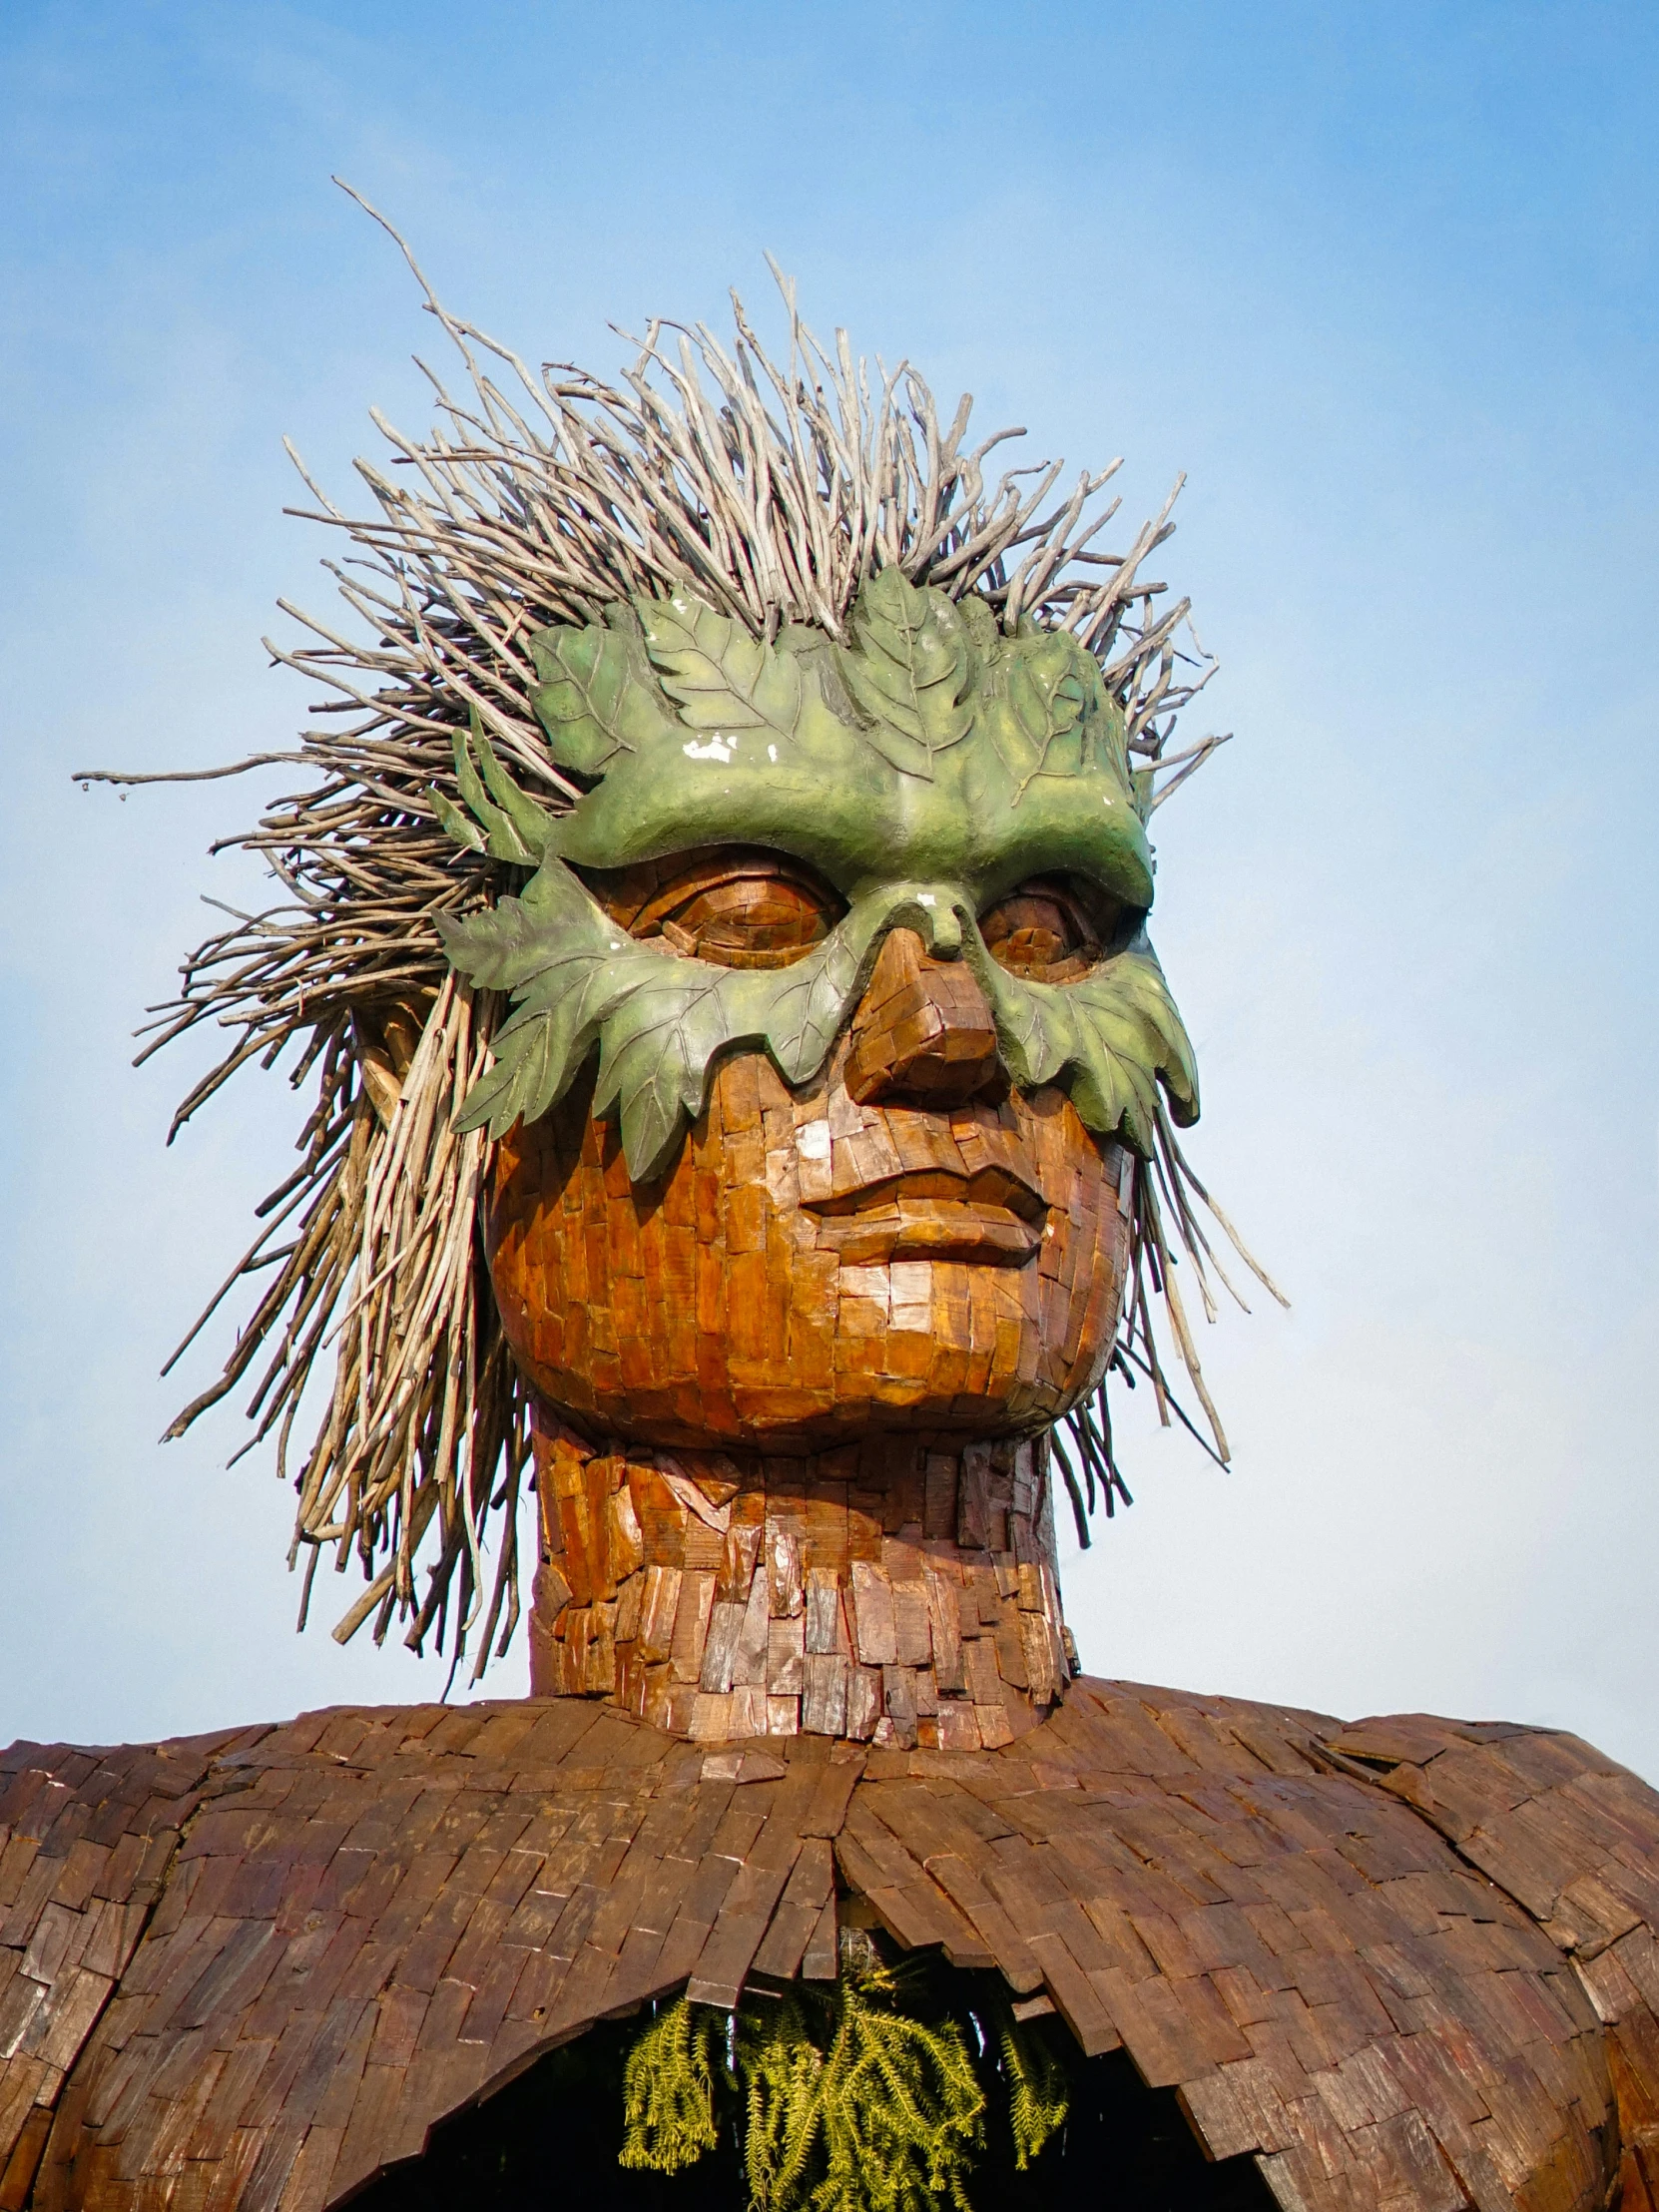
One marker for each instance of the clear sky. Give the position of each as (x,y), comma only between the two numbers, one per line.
(1382,279)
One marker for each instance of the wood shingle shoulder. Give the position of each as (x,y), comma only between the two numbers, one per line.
(1574,1838)
(345,1929)
(87,1838)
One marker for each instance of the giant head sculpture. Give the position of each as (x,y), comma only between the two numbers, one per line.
(746,1087)
(863,920)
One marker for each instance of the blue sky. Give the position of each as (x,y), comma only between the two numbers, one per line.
(1381,281)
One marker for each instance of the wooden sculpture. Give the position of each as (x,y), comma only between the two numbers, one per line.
(745,1098)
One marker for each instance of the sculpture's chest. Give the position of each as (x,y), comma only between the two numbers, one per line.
(373,1918)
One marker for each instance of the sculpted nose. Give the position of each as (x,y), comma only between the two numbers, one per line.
(922,1033)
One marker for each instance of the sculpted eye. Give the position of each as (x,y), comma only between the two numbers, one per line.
(735,909)
(1053,929)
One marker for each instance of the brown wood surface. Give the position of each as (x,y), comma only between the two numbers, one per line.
(85,1841)
(897,1590)
(1572,1837)
(373,1916)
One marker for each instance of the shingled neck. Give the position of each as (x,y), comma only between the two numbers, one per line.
(897,1589)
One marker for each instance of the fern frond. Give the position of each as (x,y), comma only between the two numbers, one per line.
(1038,2095)
(668,2089)
(877,2112)
(851,2100)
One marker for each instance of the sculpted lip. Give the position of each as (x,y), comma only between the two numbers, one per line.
(992,1217)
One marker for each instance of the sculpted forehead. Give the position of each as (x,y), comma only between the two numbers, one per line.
(929,749)
(861,825)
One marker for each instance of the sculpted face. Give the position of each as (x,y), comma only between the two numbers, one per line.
(858,933)
(816,1262)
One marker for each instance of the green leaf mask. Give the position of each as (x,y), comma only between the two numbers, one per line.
(925,771)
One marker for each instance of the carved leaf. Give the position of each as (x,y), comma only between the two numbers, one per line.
(1040,695)
(576,984)
(454,823)
(718,676)
(1035,1032)
(809,1005)
(1108,1040)
(531,826)
(1126,1008)
(660,1021)
(591,701)
(500,948)
(520,1085)
(515,829)
(656,1051)
(911,671)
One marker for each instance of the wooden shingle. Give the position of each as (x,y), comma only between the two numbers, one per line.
(258,1970)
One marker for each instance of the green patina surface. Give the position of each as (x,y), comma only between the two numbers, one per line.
(925,770)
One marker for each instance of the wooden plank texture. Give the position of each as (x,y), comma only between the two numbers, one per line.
(342,1931)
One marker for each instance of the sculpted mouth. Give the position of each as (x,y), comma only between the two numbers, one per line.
(992,1217)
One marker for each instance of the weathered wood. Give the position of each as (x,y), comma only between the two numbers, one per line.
(812,1267)
(370,1916)
(804,1639)
(801,1574)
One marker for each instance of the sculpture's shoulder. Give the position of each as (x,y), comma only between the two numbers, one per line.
(91,1840)
(1568,1833)
(1362,1953)
(1574,1838)
(1374,1952)
(87,1837)
(367,1917)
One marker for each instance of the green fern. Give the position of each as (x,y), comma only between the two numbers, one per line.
(850,2102)
(880,2113)
(668,2089)
(1038,2095)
